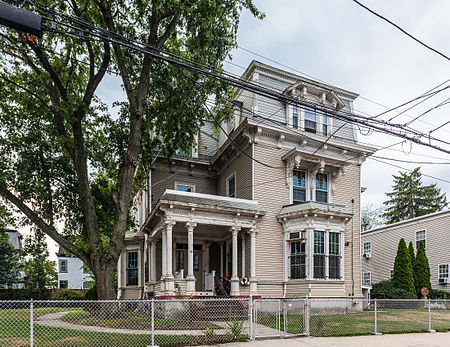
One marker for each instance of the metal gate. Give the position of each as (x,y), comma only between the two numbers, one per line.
(267,318)
(294,313)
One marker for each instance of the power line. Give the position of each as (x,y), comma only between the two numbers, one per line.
(401,29)
(443,103)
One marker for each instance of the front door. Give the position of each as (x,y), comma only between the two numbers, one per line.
(198,273)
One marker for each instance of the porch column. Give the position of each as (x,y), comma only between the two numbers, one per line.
(153,261)
(227,256)
(234,262)
(310,253)
(190,278)
(163,259)
(221,259)
(169,286)
(207,256)
(253,280)
(327,253)
(286,263)
(243,255)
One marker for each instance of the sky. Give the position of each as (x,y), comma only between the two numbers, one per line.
(340,43)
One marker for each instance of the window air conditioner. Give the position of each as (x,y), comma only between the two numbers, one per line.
(443,280)
(367,255)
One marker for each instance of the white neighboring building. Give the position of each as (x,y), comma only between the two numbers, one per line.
(72,274)
(15,239)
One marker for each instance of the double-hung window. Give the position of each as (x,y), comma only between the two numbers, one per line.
(310,120)
(334,258)
(231,186)
(319,254)
(367,248)
(299,186)
(295,116)
(147,268)
(63,265)
(297,258)
(322,187)
(132,268)
(443,273)
(63,284)
(367,278)
(420,236)
(324,125)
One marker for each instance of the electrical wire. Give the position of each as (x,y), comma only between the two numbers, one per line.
(401,29)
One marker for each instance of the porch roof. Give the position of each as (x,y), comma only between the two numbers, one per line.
(209,200)
(315,207)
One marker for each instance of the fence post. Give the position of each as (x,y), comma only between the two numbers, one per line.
(429,317)
(306,318)
(375,314)
(153,321)
(284,318)
(31,324)
(250,318)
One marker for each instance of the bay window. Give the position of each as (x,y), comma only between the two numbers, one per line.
(319,254)
(334,257)
(297,260)
(132,268)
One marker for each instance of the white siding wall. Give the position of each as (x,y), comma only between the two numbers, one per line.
(74,274)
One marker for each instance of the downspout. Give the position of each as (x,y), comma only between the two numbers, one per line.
(353,274)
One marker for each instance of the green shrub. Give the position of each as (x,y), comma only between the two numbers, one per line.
(421,270)
(91,293)
(403,272)
(67,294)
(438,294)
(390,292)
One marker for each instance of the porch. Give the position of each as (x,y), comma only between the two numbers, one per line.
(201,244)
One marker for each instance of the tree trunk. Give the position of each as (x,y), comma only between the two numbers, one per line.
(104,280)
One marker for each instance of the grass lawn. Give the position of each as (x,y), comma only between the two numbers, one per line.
(361,323)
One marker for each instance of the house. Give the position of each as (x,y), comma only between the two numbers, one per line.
(379,247)
(269,208)
(72,273)
(15,239)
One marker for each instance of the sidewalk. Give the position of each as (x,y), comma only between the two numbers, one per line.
(397,340)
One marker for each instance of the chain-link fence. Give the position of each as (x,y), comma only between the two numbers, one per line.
(208,321)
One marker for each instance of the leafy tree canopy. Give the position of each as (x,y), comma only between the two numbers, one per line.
(410,198)
(69,165)
(371,217)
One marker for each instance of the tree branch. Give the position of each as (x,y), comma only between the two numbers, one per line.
(41,224)
(94,80)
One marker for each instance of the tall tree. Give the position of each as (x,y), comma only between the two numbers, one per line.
(9,262)
(68,165)
(371,217)
(40,272)
(403,271)
(412,258)
(410,198)
(421,270)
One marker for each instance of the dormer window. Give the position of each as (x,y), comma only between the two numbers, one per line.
(310,120)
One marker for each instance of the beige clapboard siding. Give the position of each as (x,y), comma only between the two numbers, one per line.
(162,179)
(242,166)
(348,188)
(384,242)
(272,193)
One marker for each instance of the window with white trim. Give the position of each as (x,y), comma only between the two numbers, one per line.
(322,187)
(319,254)
(184,187)
(132,268)
(334,256)
(297,258)
(63,284)
(298,186)
(367,248)
(295,116)
(443,273)
(421,236)
(231,186)
(63,265)
(310,120)
(324,125)
(367,278)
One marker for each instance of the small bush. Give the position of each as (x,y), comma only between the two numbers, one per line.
(91,293)
(390,292)
(438,294)
(235,327)
(67,294)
